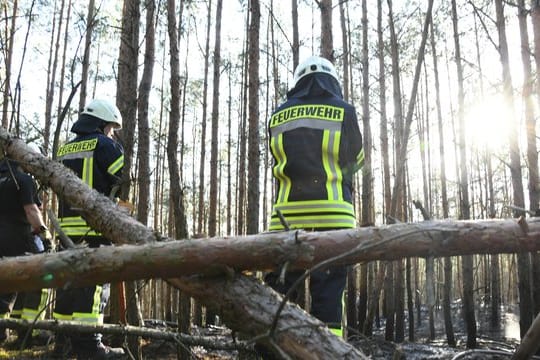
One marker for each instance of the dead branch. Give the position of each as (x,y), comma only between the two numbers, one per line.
(209,342)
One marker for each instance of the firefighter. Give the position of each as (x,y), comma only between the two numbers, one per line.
(97,158)
(317,147)
(22,231)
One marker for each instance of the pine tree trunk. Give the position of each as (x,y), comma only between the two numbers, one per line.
(252,216)
(213,202)
(86,56)
(327,39)
(202,164)
(524,265)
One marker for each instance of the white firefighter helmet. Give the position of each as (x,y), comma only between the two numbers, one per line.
(314,64)
(104,110)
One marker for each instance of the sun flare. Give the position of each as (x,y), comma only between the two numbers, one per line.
(488,123)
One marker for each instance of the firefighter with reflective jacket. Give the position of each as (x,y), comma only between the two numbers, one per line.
(317,147)
(22,231)
(98,160)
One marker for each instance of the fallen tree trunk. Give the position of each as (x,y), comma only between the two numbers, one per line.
(268,251)
(120,228)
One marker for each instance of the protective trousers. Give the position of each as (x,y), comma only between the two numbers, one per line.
(326,291)
(85,305)
(27,306)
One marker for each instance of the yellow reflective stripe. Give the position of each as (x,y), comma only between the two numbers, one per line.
(314,222)
(334,163)
(330,158)
(72,220)
(116,166)
(337,332)
(94,317)
(77,226)
(80,231)
(326,206)
(32,314)
(87,318)
(64,317)
(88,172)
(360,158)
(276,144)
(97,300)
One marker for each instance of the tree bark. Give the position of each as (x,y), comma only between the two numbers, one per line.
(253,193)
(213,203)
(327,40)
(524,262)
(145,87)
(86,55)
(202,164)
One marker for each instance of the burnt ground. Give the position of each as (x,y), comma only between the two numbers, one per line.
(496,343)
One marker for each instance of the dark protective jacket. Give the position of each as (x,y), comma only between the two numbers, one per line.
(317,147)
(17,189)
(98,161)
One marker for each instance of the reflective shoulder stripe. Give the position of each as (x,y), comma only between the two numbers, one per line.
(116,165)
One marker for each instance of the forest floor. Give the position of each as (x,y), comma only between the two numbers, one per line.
(497,343)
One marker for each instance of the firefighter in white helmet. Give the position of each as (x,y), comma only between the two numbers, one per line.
(316,144)
(98,160)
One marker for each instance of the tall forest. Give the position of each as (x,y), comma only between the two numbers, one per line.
(447,96)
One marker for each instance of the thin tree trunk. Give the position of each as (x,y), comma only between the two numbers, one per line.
(176,192)
(296,43)
(213,203)
(87,47)
(253,120)
(7,96)
(242,131)
(327,39)
(467,261)
(51,76)
(145,86)
(532,152)
(526,308)
(202,164)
